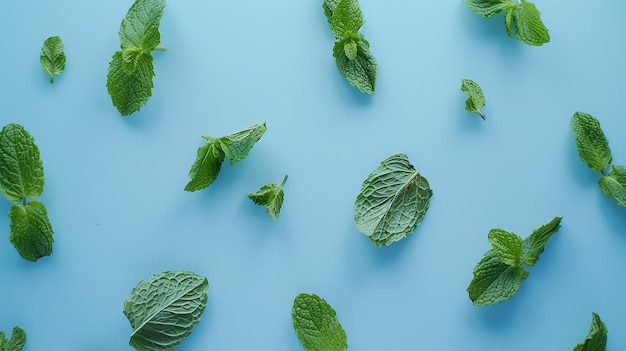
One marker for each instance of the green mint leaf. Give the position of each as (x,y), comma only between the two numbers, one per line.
(494,281)
(613,184)
(507,246)
(487,8)
(360,71)
(350,49)
(534,244)
(237,145)
(316,324)
(596,338)
(346,19)
(15,343)
(271,196)
(206,167)
(21,169)
(528,26)
(593,147)
(475,97)
(52,57)
(508,20)
(129,78)
(164,309)
(329,7)
(31,232)
(393,200)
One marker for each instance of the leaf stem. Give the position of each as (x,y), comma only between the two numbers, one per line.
(284,181)
(482,115)
(160,48)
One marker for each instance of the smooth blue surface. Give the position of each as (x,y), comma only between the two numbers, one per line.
(114,185)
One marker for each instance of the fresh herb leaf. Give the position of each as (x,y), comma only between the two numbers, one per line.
(596,338)
(21,169)
(271,196)
(613,184)
(475,97)
(593,147)
(499,274)
(351,51)
(528,26)
(15,343)
(164,309)
(316,324)
(393,200)
(52,57)
(210,156)
(31,231)
(129,79)
(487,8)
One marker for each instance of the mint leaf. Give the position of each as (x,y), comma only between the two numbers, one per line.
(499,274)
(393,200)
(360,71)
(346,19)
(494,281)
(129,79)
(52,57)
(593,147)
(208,163)
(21,169)
(596,338)
(534,244)
(31,231)
(237,145)
(271,196)
(316,324)
(350,49)
(475,98)
(507,246)
(528,26)
(613,184)
(15,343)
(508,20)
(329,7)
(164,309)
(487,8)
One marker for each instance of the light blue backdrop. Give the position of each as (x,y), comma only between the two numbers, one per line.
(114,185)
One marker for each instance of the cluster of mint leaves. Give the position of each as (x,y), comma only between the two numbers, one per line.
(529,29)
(351,50)
(22,181)
(593,148)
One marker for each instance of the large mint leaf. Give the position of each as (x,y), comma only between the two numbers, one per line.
(529,28)
(534,244)
(206,167)
(346,19)
(487,8)
(237,145)
(15,343)
(393,200)
(507,246)
(271,196)
(475,97)
(494,281)
(316,324)
(164,309)
(613,184)
(593,147)
(52,58)
(31,231)
(362,69)
(140,27)
(596,338)
(21,169)
(130,90)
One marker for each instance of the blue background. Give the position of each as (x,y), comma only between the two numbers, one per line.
(114,185)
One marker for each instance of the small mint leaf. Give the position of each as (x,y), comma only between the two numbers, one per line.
(206,167)
(31,232)
(316,324)
(237,145)
(350,49)
(507,246)
(475,97)
(534,244)
(52,57)
(130,90)
(361,71)
(593,147)
(140,26)
(494,281)
(529,28)
(346,19)
(597,336)
(613,184)
(271,196)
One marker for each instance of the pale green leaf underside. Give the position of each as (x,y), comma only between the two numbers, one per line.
(507,246)
(494,281)
(164,309)
(316,324)
(393,200)
(475,97)
(140,26)
(31,231)
(21,169)
(593,147)
(206,167)
(613,184)
(130,90)
(534,244)
(52,58)
(361,71)
(271,196)
(15,343)
(237,145)
(486,8)
(529,28)
(596,338)
(346,19)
